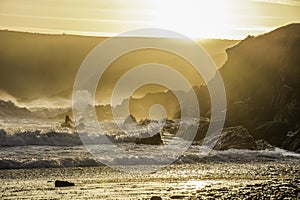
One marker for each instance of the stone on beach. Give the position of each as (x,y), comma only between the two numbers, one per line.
(156,198)
(63,183)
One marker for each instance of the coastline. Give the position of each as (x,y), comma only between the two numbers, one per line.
(178,181)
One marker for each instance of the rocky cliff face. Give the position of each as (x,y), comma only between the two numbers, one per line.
(262,81)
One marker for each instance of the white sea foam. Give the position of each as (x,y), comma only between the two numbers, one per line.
(51,156)
(28,141)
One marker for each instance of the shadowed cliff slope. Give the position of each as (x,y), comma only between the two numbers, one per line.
(262,80)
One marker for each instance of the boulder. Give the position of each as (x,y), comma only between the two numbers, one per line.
(274,132)
(154,140)
(63,183)
(292,142)
(235,138)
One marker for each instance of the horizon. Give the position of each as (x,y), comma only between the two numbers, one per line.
(230,19)
(107,35)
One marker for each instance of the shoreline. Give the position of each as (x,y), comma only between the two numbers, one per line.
(187,181)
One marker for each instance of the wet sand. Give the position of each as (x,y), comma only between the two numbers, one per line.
(183,181)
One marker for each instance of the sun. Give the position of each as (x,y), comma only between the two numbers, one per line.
(194,18)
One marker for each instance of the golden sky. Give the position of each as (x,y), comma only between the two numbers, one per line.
(194,18)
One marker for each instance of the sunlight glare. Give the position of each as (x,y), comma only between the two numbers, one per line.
(194,18)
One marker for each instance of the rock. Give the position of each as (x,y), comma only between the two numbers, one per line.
(235,138)
(170,121)
(263,145)
(63,183)
(156,198)
(262,88)
(145,122)
(170,127)
(154,140)
(273,132)
(202,130)
(178,197)
(68,123)
(292,142)
(130,119)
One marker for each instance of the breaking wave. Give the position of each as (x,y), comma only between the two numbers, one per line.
(9,109)
(53,157)
(52,163)
(55,138)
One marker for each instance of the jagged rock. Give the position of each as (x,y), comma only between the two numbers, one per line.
(68,123)
(154,140)
(261,78)
(202,130)
(235,138)
(145,122)
(263,144)
(130,119)
(63,183)
(273,132)
(292,142)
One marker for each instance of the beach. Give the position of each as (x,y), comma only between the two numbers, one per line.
(35,155)
(257,180)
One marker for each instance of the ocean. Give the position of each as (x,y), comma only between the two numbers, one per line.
(35,151)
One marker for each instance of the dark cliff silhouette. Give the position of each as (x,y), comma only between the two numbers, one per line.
(262,79)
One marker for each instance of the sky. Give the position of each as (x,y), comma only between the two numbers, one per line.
(232,19)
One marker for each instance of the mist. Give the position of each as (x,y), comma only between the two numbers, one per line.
(38,70)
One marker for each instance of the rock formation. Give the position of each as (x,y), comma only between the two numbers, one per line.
(154,140)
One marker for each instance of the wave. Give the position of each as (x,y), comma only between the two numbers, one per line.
(9,109)
(56,138)
(54,157)
(49,163)
(243,155)
(27,138)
